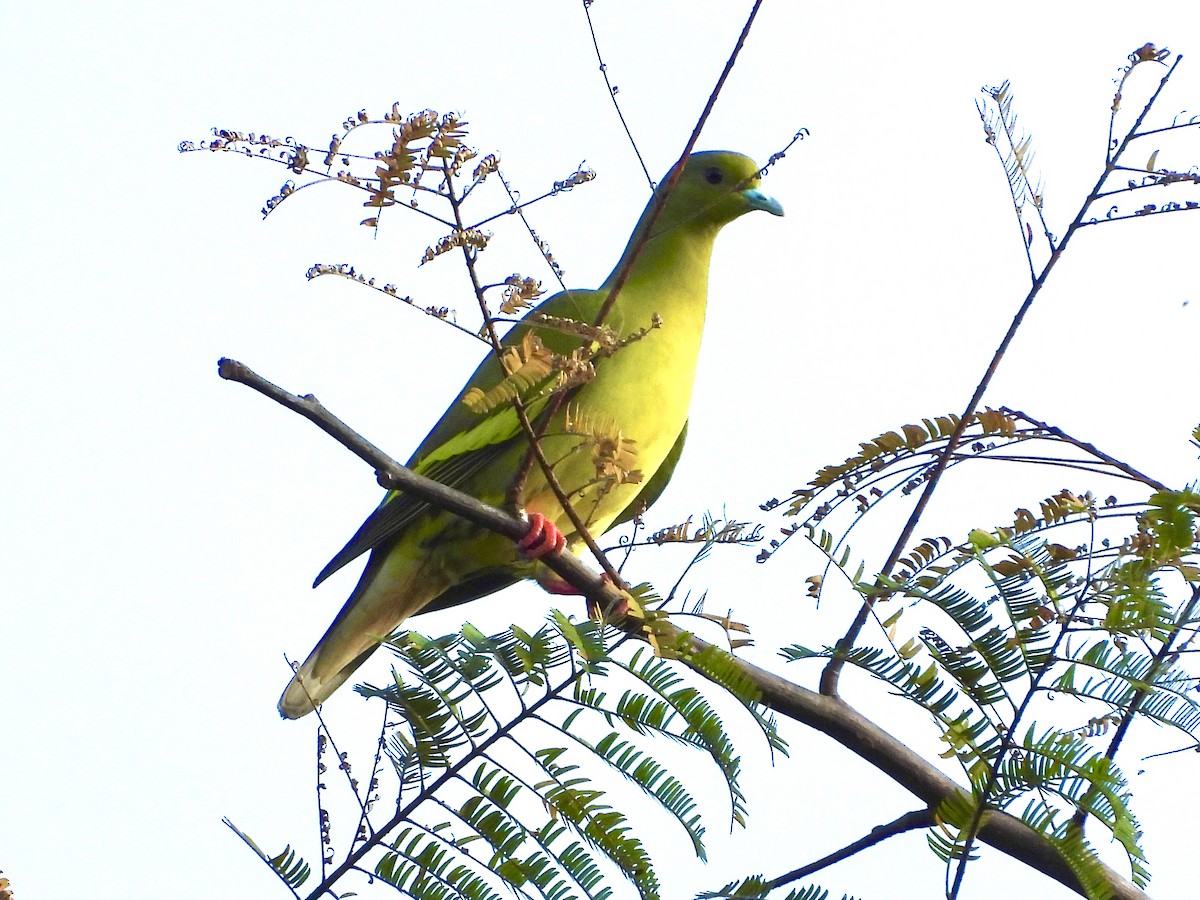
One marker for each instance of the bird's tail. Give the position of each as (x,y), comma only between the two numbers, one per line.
(386,595)
(307,690)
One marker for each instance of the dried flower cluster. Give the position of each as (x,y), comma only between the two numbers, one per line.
(613,454)
(472,238)
(519,293)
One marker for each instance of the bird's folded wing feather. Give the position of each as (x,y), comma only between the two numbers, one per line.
(463,442)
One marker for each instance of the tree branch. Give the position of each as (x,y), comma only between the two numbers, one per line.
(828,714)
(910,821)
(832,716)
(393,476)
(677,170)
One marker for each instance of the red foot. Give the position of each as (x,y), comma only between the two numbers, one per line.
(542,538)
(558,586)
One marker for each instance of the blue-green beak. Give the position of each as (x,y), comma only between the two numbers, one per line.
(758,200)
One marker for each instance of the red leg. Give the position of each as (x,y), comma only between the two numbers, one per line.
(558,586)
(542,538)
(555,585)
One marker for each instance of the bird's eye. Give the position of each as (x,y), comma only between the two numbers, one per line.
(714,175)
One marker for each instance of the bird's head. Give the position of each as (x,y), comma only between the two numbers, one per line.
(716,187)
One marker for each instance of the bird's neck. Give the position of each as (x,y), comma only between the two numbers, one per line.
(677,262)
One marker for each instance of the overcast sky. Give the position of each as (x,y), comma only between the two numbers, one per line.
(161,527)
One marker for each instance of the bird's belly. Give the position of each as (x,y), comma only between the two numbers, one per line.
(615,433)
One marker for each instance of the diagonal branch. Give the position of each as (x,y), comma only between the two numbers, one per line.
(393,476)
(1087,447)
(828,714)
(910,821)
(677,170)
(612,92)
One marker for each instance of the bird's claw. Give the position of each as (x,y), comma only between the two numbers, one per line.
(554,585)
(542,539)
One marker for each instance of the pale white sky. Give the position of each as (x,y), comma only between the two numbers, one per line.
(161,527)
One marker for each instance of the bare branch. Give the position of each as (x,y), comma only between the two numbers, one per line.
(612,92)
(1089,448)
(394,476)
(826,713)
(910,821)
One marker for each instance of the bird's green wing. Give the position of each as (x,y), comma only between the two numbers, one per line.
(464,442)
(398,510)
(458,418)
(490,582)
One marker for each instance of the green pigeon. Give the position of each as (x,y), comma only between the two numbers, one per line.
(613,441)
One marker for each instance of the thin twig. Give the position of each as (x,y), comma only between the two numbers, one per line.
(365,827)
(322,830)
(518,206)
(519,209)
(1087,447)
(1138,214)
(1176,127)
(612,93)
(910,821)
(351,274)
(672,179)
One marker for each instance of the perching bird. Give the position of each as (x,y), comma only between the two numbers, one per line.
(631,415)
